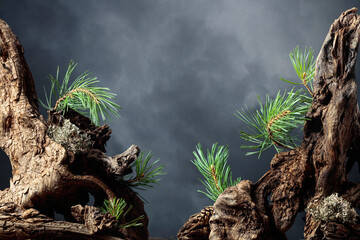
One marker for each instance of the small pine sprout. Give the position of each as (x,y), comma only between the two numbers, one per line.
(333,208)
(146,174)
(213,167)
(117,208)
(304,65)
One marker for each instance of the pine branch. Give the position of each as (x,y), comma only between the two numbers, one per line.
(273,123)
(304,65)
(82,96)
(213,167)
(146,175)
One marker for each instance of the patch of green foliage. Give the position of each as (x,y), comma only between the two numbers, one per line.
(303,63)
(272,125)
(146,173)
(118,209)
(215,170)
(82,95)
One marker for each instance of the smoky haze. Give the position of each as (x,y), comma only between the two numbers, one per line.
(180,70)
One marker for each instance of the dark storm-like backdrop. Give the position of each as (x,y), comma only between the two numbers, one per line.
(180,70)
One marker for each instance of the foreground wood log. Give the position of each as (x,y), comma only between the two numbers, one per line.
(315,170)
(46,177)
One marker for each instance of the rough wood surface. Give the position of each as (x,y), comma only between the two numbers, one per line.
(319,167)
(17,223)
(45,175)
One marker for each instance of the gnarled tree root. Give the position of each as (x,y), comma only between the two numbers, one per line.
(48,175)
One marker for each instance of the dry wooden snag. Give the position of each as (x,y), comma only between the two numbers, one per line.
(47,177)
(311,176)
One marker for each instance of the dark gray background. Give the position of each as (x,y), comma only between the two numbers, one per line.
(180,70)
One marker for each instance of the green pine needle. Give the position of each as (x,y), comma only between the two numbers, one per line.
(273,123)
(304,66)
(213,167)
(146,174)
(118,209)
(82,96)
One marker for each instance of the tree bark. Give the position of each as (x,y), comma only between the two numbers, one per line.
(313,171)
(47,177)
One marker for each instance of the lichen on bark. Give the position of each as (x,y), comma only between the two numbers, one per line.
(70,137)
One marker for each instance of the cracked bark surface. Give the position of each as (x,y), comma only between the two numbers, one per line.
(46,176)
(313,171)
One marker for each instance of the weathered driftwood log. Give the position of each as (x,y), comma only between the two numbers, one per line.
(48,177)
(315,170)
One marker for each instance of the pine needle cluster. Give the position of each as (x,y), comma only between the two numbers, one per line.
(215,170)
(118,209)
(273,123)
(82,95)
(303,63)
(146,174)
